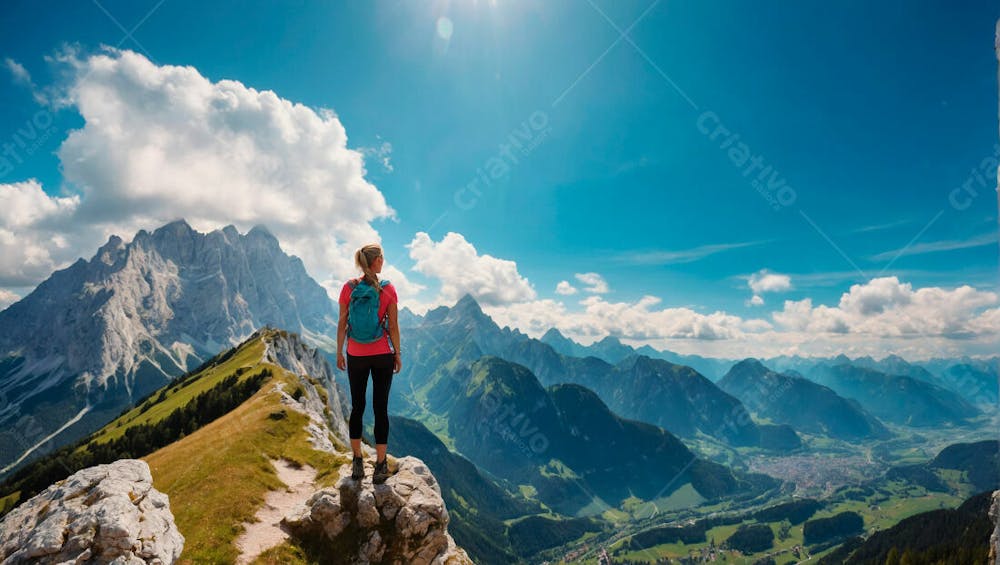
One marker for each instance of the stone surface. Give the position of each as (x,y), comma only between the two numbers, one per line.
(103,514)
(403,520)
(331,414)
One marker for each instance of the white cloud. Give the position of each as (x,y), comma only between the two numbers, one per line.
(164,142)
(18,71)
(987,238)
(881,317)
(763,281)
(885,307)
(638,320)
(668,257)
(22,77)
(33,240)
(800,329)
(755,300)
(382,153)
(7,298)
(565,288)
(460,269)
(595,282)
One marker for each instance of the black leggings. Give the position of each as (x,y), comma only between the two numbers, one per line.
(380,366)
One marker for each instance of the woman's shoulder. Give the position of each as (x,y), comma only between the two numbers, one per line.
(390,288)
(345,291)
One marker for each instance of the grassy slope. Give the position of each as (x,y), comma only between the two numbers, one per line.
(177,396)
(217,477)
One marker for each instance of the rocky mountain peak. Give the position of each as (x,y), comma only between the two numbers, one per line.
(553,334)
(840,360)
(260,233)
(113,329)
(610,340)
(466,307)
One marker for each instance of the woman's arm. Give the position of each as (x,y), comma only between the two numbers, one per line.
(394,336)
(341,334)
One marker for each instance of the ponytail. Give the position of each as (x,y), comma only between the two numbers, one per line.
(363,258)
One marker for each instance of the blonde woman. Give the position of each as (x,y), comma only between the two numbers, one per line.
(368,319)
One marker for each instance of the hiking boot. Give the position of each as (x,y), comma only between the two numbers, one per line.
(381,472)
(358,469)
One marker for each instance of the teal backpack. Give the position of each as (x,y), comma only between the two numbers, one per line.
(363,324)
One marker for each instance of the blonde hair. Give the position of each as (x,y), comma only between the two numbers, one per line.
(363,259)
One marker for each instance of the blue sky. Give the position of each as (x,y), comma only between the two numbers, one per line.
(871,116)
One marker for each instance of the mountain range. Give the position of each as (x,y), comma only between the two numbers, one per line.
(511,426)
(250,458)
(781,398)
(99,335)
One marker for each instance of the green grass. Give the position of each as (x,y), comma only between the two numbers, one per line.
(174,398)
(904,501)
(8,502)
(217,477)
(556,468)
(284,554)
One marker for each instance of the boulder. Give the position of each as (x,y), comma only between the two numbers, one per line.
(103,514)
(403,520)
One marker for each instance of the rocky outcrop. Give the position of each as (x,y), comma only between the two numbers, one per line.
(103,514)
(289,351)
(401,521)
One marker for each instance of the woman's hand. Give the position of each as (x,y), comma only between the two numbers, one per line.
(341,361)
(397,363)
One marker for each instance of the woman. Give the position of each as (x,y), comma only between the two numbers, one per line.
(380,358)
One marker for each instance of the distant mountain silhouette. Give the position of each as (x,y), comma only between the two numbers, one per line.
(899,399)
(801,403)
(612,350)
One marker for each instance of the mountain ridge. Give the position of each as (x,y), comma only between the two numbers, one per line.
(269,400)
(96,336)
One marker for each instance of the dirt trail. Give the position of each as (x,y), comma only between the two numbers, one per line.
(266,532)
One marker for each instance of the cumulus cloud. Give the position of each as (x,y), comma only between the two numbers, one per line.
(461,269)
(164,142)
(565,288)
(639,320)
(880,317)
(886,307)
(32,238)
(595,283)
(763,281)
